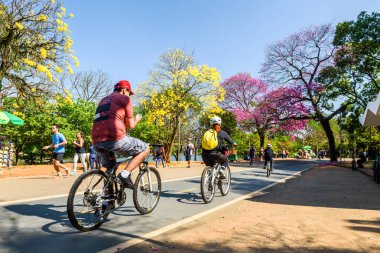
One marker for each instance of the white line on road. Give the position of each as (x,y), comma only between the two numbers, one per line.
(5,203)
(155,233)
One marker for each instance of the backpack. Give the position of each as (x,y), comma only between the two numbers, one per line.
(158,151)
(210,139)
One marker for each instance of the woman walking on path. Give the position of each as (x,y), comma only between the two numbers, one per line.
(79,153)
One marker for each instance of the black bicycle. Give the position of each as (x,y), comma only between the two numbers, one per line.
(96,193)
(212,178)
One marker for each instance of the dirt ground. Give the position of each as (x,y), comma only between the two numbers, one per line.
(328,209)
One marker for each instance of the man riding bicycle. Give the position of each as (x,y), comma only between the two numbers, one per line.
(216,154)
(268,156)
(109,137)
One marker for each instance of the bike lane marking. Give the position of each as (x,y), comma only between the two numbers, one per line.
(132,242)
(5,203)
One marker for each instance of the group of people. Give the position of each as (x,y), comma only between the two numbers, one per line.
(58,144)
(159,153)
(261,155)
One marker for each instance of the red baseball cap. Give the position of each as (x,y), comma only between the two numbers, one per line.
(124,84)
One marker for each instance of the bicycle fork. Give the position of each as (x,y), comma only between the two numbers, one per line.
(149,180)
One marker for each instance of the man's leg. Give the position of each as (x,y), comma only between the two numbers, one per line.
(137,160)
(133,147)
(60,165)
(163,162)
(56,168)
(223,161)
(157,162)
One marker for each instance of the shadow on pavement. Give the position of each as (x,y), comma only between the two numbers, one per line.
(332,187)
(220,247)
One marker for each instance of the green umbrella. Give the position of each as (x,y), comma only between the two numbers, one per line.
(6,117)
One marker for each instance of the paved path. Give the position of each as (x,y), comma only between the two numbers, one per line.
(329,209)
(42,226)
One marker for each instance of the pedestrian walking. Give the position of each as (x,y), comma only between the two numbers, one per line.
(92,156)
(58,144)
(261,153)
(159,155)
(189,151)
(251,154)
(80,153)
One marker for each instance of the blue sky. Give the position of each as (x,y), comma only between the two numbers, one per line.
(125,38)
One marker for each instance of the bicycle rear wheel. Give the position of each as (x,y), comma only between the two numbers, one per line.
(84,203)
(147,190)
(207,185)
(268,170)
(224,184)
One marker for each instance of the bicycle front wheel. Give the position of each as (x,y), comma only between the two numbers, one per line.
(147,190)
(224,184)
(268,170)
(207,185)
(84,204)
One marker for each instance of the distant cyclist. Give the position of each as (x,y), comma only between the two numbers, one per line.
(213,149)
(113,117)
(268,156)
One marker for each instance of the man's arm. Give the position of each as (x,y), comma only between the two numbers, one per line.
(63,143)
(227,138)
(48,146)
(132,122)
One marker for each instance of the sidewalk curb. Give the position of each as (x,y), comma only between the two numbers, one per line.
(365,172)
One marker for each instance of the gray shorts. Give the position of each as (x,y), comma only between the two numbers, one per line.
(127,146)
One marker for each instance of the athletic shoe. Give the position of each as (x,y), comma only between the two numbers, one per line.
(127,182)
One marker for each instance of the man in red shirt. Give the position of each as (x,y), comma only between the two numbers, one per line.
(113,116)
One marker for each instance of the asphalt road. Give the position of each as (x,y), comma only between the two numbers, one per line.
(43,226)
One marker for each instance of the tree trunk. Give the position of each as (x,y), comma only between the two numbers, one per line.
(195,150)
(262,137)
(171,142)
(330,136)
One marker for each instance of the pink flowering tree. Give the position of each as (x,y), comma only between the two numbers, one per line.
(256,107)
(302,64)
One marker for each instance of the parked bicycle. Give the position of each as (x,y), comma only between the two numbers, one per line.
(96,193)
(211,179)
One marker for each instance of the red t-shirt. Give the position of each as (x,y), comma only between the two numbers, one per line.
(111,118)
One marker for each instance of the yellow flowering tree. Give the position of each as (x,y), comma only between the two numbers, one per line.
(35,46)
(178,88)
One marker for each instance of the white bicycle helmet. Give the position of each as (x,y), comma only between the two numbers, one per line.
(215,121)
(269,145)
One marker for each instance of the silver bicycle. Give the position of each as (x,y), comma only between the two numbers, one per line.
(214,177)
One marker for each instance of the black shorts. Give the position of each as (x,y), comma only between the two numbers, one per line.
(187,157)
(58,156)
(211,158)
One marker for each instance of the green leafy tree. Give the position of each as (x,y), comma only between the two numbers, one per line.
(35,46)
(178,86)
(358,54)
